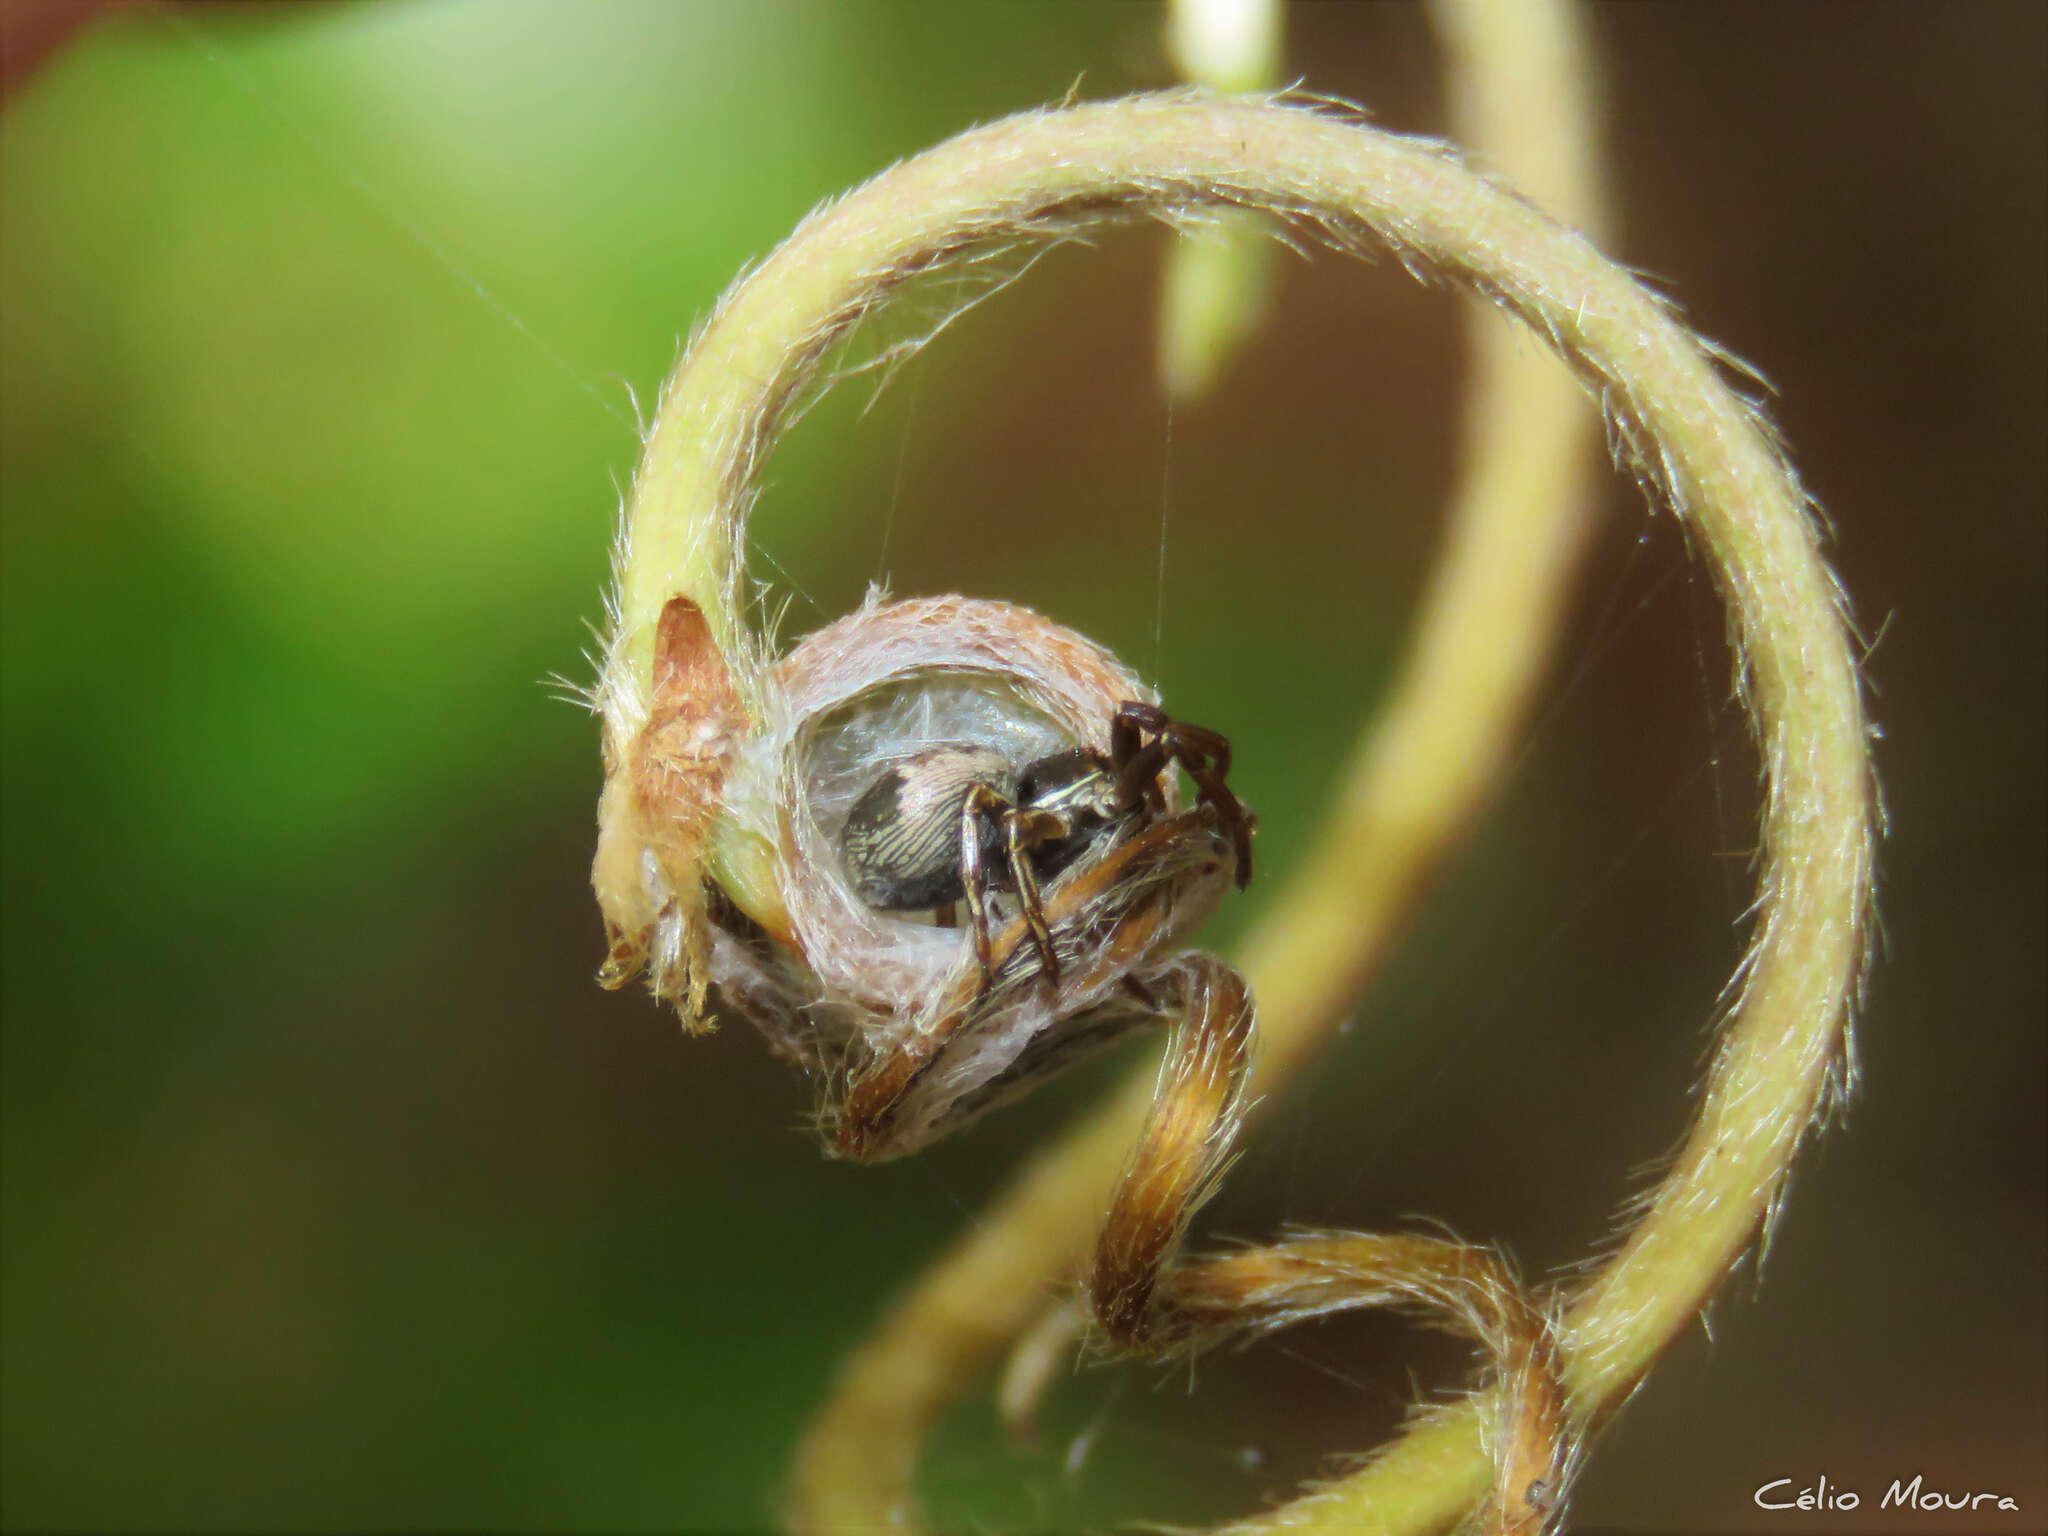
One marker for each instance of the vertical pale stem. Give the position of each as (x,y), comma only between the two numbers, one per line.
(1217,281)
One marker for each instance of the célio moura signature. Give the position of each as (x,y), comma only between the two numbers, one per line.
(1823,1495)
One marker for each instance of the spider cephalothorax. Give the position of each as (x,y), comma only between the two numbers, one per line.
(958,820)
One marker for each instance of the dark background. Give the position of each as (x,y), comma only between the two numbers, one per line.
(336,1196)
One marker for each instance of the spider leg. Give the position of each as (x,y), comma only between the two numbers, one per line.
(1204,753)
(1235,820)
(1129,725)
(1022,831)
(1133,763)
(1196,741)
(982,805)
(1137,780)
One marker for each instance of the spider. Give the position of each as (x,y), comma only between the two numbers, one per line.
(959,821)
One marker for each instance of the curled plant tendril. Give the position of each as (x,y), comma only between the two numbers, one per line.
(715,755)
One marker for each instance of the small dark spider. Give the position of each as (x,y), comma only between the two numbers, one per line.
(960,820)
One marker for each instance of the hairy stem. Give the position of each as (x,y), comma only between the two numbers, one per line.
(1042,176)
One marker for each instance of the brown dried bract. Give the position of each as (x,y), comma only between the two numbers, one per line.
(658,803)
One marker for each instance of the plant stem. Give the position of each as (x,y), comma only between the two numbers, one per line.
(1045,175)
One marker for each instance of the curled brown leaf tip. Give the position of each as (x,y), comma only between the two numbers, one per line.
(658,805)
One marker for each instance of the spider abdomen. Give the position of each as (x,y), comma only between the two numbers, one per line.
(901,841)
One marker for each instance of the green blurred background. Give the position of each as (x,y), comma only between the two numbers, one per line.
(337,1197)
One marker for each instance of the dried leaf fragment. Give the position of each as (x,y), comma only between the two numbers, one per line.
(658,804)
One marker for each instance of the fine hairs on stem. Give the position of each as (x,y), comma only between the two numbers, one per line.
(668,821)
